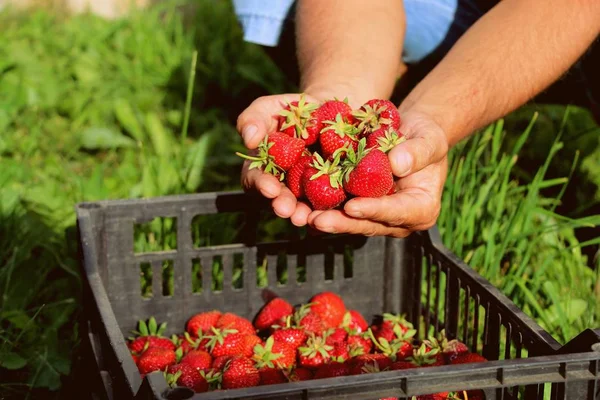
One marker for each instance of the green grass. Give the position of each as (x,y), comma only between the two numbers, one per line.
(92,109)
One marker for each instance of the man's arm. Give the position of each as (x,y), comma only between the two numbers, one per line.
(510,55)
(350,45)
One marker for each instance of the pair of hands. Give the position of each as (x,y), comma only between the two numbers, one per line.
(420,162)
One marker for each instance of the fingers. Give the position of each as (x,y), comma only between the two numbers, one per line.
(300,215)
(260,118)
(268,185)
(335,221)
(418,152)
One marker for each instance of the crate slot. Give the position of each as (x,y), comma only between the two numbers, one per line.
(217,274)
(146,279)
(160,234)
(348,262)
(196,275)
(217,229)
(237,279)
(301,268)
(328,265)
(167,278)
(261,271)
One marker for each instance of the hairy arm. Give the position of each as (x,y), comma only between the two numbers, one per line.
(510,55)
(349,47)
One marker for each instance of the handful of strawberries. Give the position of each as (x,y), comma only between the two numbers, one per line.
(328,152)
(320,339)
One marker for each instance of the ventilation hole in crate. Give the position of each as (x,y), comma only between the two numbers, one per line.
(281,270)
(237,279)
(301,268)
(348,262)
(481,316)
(329,263)
(217,274)
(217,229)
(167,278)
(146,279)
(196,276)
(261,272)
(442,288)
(504,346)
(160,234)
(271,228)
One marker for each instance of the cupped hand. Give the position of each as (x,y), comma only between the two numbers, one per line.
(421,165)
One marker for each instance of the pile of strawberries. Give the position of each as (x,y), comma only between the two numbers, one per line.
(329,152)
(320,339)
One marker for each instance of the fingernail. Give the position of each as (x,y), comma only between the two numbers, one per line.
(403,163)
(249,132)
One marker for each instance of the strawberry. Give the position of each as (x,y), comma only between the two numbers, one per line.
(384,140)
(367,172)
(383,331)
(297,120)
(310,322)
(202,322)
(156,359)
(298,374)
(225,342)
(340,352)
(322,183)
(239,372)
(272,312)
(398,365)
(294,175)
(468,358)
(185,375)
(434,396)
(274,354)
(338,136)
(240,324)
(219,362)
(150,335)
(374,363)
(198,359)
(359,344)
(332,370)
(377,114)
(314,353)
(450,348)
(277,153)
(248,344)
(423,357)
(329,307)
(294,337)
(354,322)
(399,348)
(336,335)
(185,342)
(271,376)
(470,395)
(389,320)
(135,358)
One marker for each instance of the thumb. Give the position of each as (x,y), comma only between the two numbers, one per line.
(417,153)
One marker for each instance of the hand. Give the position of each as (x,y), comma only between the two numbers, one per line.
(254,123)
(421,164)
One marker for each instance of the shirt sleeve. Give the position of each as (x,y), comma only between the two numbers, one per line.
(262,20)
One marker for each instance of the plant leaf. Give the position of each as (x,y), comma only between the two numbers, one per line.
(98,138)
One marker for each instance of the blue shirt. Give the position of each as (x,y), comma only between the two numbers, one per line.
(429,23)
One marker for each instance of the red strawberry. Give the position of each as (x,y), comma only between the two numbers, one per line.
(424,357)
(399,347)
(435,396)
(240,324)
(277,153)
(398,365)
(390,320)
(330,109)
(336,335)
(340,352)
(202,322)
(307,320)
(135,358)
(379,361)
(156,359)
(329,307)
(150,335)
(294,175)
(384,139)
(298,374)
(198,359)
(271,376)
(314,353)
(354,322)
(468,358)
(367,172)
(449,348)
(274,355)
(225,342)
(220,362)
(297,120)
(239,373)
(294,337)
(248,344)
(332,370)
(185,375)
(272,312)
(322,183)
(359,344)
(185,342)
(376,114)
(338,135)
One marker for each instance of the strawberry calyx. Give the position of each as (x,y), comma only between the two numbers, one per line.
(370,367)
(390,140)
(330,168)
(396,319)
(264,356)
(370,117)
(149,329)
(341,127)
(315,345)
(297,116)
(423,356)
(172,378)
(391,348)
(264,159)
(352,157)
(217,336)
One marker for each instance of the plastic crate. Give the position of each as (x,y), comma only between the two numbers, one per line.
(416,276)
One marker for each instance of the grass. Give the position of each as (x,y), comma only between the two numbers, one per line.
(92,109)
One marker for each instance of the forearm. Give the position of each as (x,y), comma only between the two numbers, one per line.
(349,45)
(511,54)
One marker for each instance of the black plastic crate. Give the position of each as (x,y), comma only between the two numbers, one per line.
(416,276)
